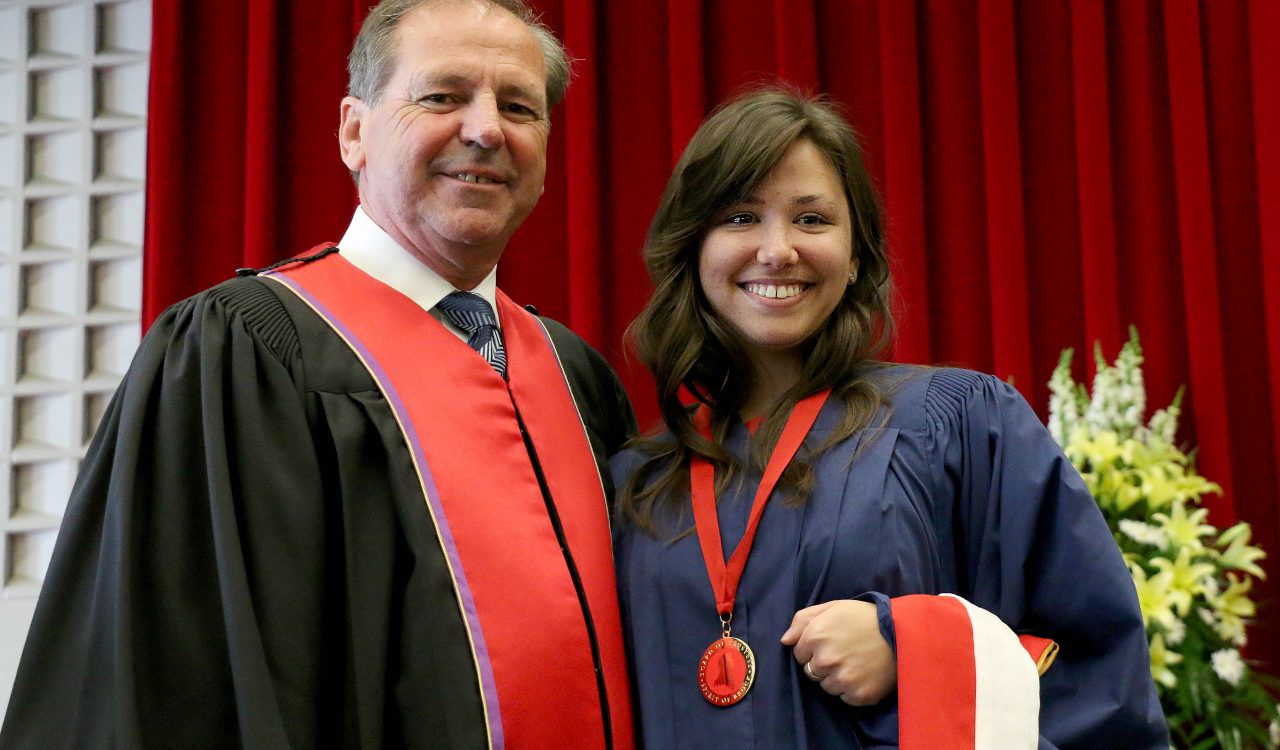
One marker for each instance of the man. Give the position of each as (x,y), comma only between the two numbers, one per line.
(336,503)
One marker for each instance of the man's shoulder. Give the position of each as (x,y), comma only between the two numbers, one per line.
(231,298)
(574,351)
(583,365)
(265,307)
(242,306)
(602,399)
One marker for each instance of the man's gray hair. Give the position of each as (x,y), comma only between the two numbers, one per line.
(372,59)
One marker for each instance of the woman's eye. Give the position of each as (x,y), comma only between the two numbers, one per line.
(742,217)
(812,219)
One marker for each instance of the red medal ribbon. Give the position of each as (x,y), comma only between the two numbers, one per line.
(725,578)
(728,668)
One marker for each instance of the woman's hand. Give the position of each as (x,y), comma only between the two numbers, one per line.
(840,645)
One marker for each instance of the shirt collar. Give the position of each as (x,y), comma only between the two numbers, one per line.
(370,249)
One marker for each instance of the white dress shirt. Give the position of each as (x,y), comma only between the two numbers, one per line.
(367,247)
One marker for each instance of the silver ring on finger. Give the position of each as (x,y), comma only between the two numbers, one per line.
(808,672)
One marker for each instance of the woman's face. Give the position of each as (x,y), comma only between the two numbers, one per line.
(775,265)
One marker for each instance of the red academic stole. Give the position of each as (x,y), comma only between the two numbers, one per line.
(514,590)
(965,681)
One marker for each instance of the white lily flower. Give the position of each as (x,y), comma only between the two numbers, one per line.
(1228,665)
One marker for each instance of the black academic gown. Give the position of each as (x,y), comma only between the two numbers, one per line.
(246,558)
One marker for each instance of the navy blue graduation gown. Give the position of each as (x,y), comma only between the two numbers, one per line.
(964,491)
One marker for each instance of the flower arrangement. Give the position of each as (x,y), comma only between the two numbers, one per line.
(1193,579)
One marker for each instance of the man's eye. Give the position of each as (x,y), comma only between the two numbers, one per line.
(435,99)
(520,110)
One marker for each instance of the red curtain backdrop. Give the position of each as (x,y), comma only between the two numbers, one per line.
(1054,172)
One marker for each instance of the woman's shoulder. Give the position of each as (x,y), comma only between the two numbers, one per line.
(921,396)
(624,463)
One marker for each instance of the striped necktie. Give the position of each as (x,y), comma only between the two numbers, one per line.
(473,315)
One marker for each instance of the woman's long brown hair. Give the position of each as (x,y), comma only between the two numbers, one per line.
(681,340)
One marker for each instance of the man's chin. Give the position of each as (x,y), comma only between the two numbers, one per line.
(475,227)
(475,236)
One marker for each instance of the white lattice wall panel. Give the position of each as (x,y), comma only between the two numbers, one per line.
(73,83)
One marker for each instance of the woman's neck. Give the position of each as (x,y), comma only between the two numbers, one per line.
(775,374)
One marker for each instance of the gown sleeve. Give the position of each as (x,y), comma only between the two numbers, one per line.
(246,559)
(166,618)
(1033,549)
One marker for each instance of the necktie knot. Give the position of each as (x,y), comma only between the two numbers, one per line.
(468,311)
(472,315)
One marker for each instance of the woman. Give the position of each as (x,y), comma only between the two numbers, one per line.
(775,612)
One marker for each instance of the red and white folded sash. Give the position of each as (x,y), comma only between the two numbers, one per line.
(965,680)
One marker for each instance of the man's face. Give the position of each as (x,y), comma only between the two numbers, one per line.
(453,156)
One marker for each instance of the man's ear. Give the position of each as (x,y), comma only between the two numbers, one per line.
(350,143)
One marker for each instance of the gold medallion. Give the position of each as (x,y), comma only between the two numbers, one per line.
(726,671)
